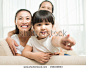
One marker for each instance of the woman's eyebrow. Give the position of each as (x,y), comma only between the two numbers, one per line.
(27,16)
(20,16)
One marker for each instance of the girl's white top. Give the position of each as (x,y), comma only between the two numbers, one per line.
(43,45)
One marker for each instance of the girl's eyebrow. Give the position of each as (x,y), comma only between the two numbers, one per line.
(38,23)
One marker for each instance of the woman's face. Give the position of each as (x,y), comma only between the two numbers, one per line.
(46,6)
(23,21)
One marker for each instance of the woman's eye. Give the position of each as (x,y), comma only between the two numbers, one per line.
(27,18)
(49,8)
(20,18)
(43,7)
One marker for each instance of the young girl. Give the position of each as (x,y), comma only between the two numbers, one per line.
(43,22)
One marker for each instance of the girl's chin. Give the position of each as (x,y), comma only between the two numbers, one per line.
(42,36)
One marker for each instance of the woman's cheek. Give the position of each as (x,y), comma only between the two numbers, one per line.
(29,21)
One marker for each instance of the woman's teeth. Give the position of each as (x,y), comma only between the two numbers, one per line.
(24,26)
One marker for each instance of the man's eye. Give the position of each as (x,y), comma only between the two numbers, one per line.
(39,25)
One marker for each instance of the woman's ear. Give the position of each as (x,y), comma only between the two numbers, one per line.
(15,22)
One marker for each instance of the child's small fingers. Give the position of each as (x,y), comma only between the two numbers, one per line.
(67,36)
(57,53)
(67,47)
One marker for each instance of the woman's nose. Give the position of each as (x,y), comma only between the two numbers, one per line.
(24,21)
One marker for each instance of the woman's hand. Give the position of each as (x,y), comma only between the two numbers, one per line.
(12,43)
(42,57)
(67,42)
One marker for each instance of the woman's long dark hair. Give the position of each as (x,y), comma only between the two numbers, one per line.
(17,30)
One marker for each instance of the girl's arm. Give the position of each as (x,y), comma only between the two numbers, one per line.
(60,53)
(38,56)
(65,42)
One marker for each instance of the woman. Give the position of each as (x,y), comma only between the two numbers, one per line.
(45,5)
(22,21)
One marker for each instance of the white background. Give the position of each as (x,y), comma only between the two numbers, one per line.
(70,14)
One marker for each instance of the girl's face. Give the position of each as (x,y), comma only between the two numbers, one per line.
(23,21)
(43,29)
(46,6)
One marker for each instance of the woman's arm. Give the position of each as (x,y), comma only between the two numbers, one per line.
(65,42)
(11,33)
(12,43)
(18,54)
(38,56)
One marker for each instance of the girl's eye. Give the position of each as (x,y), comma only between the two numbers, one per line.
(39,25)
(46,24)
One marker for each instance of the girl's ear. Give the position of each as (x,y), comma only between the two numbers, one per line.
(52,26)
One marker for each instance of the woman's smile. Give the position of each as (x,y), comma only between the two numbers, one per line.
(24,26)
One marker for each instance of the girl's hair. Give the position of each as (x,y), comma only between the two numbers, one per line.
(17,30)
(49,2)
(42,15)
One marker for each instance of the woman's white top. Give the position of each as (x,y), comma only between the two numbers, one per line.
(43,45)
(19,48)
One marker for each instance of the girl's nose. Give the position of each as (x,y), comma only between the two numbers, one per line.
(43,27)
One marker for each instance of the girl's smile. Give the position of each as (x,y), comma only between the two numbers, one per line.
(43,29)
